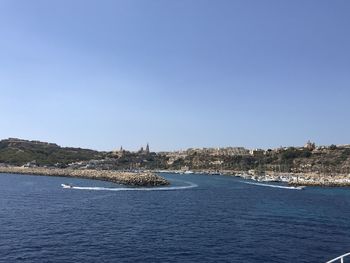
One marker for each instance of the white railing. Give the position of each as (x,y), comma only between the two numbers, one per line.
(341,258)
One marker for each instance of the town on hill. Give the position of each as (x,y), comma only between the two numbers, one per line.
(333,159)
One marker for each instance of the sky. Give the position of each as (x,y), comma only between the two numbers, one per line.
(175,73)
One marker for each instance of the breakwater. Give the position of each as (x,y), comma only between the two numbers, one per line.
(292,179)
(125,178)
(327,180)
(301,179)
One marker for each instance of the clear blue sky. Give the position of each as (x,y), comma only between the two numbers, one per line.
(176,74)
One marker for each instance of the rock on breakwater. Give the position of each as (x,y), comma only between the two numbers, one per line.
(125,178)
(312,179)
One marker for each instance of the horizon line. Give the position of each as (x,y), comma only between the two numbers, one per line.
(176,150)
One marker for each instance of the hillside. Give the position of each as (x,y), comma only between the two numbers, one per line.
(326,160)
(19,152)
(323,160)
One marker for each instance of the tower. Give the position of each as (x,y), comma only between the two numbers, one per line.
(147,149)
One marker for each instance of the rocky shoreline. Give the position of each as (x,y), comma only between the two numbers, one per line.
(151,179)
(293,179)
(337,180)
(125,178)
(301,179)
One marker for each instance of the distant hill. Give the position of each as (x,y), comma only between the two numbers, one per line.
(19,152)
(323,159)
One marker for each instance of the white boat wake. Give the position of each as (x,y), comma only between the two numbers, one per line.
(166,188)
(276,186)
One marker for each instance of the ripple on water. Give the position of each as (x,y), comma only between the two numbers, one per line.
(219,220)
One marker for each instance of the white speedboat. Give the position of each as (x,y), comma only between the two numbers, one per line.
(276,185)
(67,186)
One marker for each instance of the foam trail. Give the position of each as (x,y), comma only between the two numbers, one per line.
(275,186)
(168,188)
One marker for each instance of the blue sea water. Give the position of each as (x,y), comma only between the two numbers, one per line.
(220,220)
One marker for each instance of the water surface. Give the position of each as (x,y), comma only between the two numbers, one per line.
(220,220)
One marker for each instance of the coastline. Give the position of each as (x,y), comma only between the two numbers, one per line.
(305,179)
(143,179)
(125,178)
(292,179)
(323,180)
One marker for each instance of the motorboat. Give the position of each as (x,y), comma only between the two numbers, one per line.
(67,186)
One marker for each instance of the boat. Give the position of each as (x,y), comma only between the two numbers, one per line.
(276,185)
(301,187)
(188,172)
(67,186)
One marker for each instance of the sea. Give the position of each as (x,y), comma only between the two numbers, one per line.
(199,218)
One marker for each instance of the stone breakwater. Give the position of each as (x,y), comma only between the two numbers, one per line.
(293,179)
(303,179)
(311,179)
(125,178)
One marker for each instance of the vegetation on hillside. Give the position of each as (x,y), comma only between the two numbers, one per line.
(332,159)
(20,152)
(324,160)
